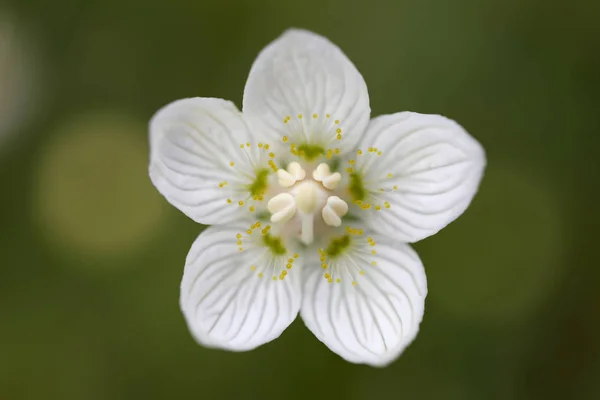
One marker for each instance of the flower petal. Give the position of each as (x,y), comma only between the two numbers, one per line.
(225,302)
(305,77)
(373,313)
(427,173)
(196,161)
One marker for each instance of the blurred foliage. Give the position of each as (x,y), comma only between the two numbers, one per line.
(92,256)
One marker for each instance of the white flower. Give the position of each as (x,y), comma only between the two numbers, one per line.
(312,202)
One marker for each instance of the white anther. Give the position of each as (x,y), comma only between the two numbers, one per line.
(293,174)
(332,180)
(323,174)
(282,207)
(307,197)
(296,170)
(334,210)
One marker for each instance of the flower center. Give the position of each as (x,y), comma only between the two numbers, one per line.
(303,197)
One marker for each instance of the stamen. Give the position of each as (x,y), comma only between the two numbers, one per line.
(323,174)
(334,210)
(282,207)
(293,174)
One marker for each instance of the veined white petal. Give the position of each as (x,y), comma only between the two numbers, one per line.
(226,302)
(427,173)
(373,313)
(303,87)
(196,161)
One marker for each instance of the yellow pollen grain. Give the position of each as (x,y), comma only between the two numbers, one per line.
(327,276)
(353,283)
(338,280)
(351,162)
(241,203)
(299,116)
(327,115)
(252,208)
(379,153)
(324,266)
(359,152)
(373,252)
(378,207)
(395,187)
(239,236)
(296,255)
(389,175)
(274,278)
(260,145)
(373,263)
(361,272)
(249,231)
(337,151)
(337,121)
(338,130)
(271,155)
(266,147)
(315,116)
(253,268)
(229,201)
(247,144)
(285,138)
(231,163)
(241,146)
(288,266)
(339,136)
(386,204)
(260,275)
(291,260)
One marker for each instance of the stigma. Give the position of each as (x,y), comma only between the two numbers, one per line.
(307,199)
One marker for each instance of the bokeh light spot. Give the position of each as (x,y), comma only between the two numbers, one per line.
(500,259)
(94,194)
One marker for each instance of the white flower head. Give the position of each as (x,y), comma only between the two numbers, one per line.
(311,202)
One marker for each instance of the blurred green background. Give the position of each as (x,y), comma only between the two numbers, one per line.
(92,256)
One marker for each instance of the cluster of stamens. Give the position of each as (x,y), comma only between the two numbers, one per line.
(261,159)
(275,258)
(305,196)
(353,246)
(357,169)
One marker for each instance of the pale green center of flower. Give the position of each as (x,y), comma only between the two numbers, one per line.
(304,196)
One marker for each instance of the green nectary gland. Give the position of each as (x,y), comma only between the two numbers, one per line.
(310,151)
(259,185)
(337,246)
(274,243)
(356,187)
(335,164)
